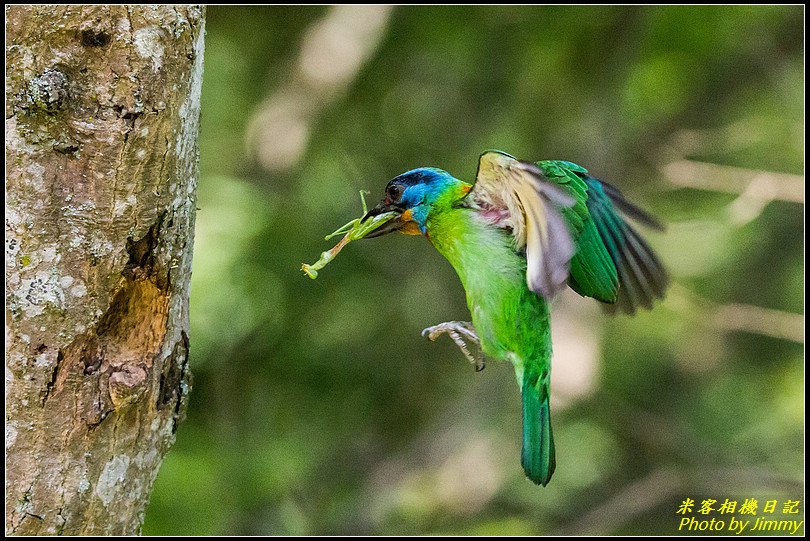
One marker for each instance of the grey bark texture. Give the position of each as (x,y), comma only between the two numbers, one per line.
(102,114)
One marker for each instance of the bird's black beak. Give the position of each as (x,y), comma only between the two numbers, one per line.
(388,227)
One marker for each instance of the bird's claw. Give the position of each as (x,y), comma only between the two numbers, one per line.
(457,329)
(452,327)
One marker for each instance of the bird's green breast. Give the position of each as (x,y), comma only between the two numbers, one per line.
(510,319)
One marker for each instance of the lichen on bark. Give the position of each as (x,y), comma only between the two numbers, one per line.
(102,113)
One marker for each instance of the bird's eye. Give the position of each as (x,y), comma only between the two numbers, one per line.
(395,192)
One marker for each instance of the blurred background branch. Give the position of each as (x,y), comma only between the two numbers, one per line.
(739,317)
(754,188)
(333,50)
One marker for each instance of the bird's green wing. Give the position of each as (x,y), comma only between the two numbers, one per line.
(642,277)
(515,195)
(613,263)
(593,272)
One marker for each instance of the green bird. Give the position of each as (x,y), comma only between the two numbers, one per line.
(516,237)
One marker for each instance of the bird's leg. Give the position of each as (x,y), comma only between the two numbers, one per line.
(458,331)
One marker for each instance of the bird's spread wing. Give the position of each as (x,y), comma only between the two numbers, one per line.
(593,273)
(642,277)
(613,263)
(516,195)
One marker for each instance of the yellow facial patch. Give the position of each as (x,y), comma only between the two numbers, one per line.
(410,227)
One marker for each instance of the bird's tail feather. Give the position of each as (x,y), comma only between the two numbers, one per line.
(537,456)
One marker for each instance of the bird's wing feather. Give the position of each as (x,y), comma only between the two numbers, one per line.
(642,277)
(516,195)
(593,273)
(613,263)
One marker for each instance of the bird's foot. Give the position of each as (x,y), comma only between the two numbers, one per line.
(459,331)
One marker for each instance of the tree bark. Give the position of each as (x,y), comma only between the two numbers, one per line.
(102,114)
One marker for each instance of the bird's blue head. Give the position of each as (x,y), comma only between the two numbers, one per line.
(415,195)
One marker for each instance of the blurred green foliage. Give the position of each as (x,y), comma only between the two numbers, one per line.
(318,409)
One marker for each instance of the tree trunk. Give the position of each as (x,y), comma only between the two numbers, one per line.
(102,113)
